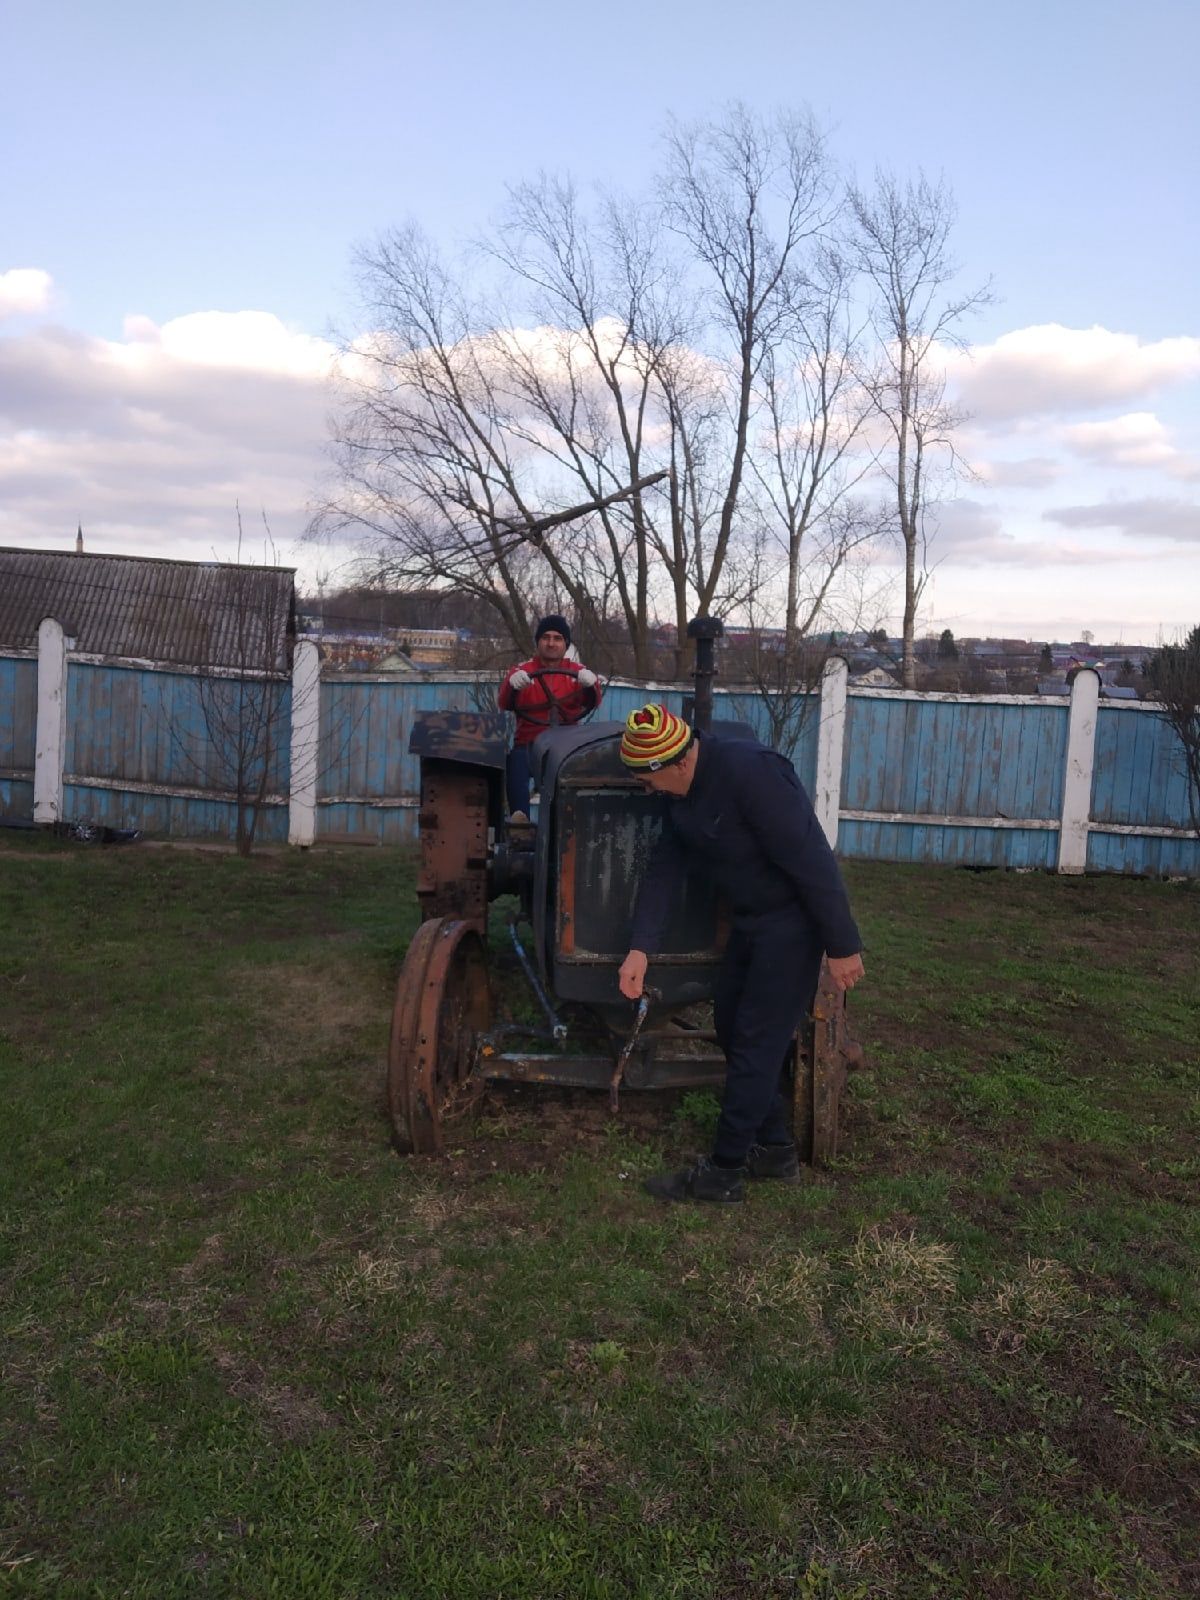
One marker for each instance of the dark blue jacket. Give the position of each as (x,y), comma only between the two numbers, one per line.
(746,825)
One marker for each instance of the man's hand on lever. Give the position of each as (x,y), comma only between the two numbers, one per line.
(632,976)
(844,970)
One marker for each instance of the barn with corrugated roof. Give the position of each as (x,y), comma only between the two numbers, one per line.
(140,608)
(143,693)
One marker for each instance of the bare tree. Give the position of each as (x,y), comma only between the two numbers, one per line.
(808,463)
(592,406)
(428,470)
(1172,675)
(841,596)
(662,344)
(753,201)
(898,238)
(611,355)
(244,710)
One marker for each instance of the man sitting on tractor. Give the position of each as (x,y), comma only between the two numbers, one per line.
(544,692)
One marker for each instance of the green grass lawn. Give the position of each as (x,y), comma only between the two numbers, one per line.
(250,1351)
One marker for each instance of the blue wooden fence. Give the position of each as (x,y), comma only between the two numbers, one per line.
(367,781)
(916,771)
(138,753)
(18,734)
(1139,783)
(952,758)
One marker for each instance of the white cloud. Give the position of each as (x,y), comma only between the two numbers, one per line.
(253,341)
(1148,518)
(24,291)
(153,441)
(970,534)
(1137,439)
(1031,472)
(1052,370)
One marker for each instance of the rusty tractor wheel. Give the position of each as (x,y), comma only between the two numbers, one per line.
(825,1051)
(443,1004)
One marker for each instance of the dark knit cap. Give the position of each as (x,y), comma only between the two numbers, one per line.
(553,624)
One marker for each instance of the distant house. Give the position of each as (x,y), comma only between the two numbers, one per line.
(874,678)
(398,661)
(139,608)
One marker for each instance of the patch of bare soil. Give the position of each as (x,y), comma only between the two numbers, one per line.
(312,1007)
(522,1128)
(290,1414)
(1096,1164)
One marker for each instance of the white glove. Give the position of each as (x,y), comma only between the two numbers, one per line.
(519,679)
(586,677)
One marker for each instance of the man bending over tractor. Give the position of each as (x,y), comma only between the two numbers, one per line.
(737,813)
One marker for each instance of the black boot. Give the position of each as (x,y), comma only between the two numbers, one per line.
(704,1181)
(778,1161)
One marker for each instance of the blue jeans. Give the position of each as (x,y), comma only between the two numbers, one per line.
(765,986)
(517,778)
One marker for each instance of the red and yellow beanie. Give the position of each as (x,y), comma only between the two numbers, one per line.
(654,737)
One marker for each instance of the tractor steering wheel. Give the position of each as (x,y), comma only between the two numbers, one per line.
(555,704)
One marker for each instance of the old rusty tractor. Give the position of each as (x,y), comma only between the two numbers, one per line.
(574,873)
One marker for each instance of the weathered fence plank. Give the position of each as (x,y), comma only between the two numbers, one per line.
(18,734)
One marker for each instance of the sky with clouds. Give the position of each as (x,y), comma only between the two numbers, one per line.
(185,187)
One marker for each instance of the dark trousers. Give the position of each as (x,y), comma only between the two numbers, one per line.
(765,985)
(517,778)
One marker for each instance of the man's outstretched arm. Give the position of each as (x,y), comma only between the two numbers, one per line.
(656,893)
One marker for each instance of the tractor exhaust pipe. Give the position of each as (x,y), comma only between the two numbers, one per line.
(705,631)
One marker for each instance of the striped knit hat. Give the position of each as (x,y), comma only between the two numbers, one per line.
(654,737)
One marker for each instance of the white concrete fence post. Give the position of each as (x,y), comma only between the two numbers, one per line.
(306,724)
(51,737)
(1077,779)
(831,733)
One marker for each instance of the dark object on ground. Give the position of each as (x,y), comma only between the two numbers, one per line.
(722,1186)
(87,832)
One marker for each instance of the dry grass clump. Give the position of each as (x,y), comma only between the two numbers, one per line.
(432,1209)
(795,1283)
(1034,1303)
(370,1277)
(900,1289)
